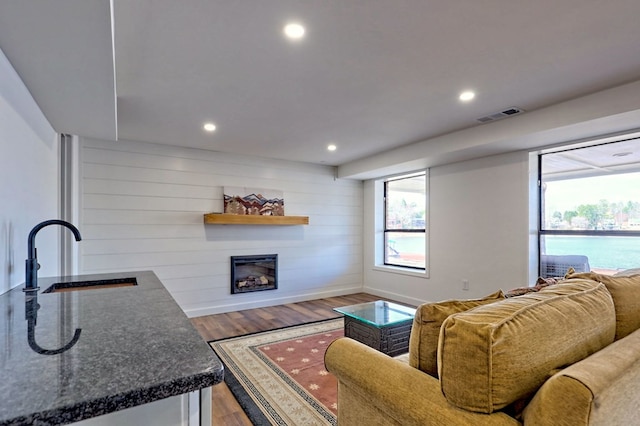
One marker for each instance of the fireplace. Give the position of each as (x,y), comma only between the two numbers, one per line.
(254,273)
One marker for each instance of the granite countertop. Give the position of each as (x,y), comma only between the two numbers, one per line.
(135,346)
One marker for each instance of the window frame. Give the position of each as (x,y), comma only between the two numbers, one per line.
(386,230)
(543,232)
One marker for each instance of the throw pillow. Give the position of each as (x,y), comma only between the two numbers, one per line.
(540,284)
(494,355)
(423,341)
(625,291)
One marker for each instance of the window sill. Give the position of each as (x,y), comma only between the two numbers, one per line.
(401,271)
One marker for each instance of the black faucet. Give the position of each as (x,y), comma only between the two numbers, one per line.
(32,266)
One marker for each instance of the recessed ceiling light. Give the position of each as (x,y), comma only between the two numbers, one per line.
(209,127)
(331,147)
(294,31)
(467,95)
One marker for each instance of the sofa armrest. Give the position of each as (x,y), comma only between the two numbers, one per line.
(602,389)
(374,388)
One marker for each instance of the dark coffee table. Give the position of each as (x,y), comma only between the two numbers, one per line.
(382,325)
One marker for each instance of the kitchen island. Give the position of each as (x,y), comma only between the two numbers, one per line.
(66,356)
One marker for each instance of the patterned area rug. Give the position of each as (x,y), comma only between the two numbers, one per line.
(278,376)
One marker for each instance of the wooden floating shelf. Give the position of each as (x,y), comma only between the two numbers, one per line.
(235,219)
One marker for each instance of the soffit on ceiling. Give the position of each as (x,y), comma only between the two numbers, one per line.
(369,76)
(63,52)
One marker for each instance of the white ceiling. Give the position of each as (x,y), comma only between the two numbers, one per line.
(369,76)
(617,157)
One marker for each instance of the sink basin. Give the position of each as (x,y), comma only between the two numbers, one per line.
(91,285)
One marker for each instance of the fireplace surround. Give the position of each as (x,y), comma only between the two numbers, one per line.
(254,273)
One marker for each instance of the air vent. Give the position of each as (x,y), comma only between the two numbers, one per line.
(500,115)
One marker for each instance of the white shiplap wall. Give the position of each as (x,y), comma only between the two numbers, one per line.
(142,208)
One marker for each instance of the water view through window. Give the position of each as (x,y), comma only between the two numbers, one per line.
(608,253)
(590,206)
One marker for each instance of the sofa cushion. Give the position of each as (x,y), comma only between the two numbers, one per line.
(625,291)
(599,390)
(423,342)
(497,354)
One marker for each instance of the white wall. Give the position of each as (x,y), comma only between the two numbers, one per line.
(478,223)
(28,180)
(143,205)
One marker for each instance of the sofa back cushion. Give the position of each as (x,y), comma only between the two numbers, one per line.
(627,272)
(599,390)
(494,355)
(625,291)
(423,342)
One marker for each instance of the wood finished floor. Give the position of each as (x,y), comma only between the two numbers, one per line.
(226,410)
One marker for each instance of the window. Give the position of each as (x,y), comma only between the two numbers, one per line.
(405,205)
(589,215)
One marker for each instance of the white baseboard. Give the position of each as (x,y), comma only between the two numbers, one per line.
(221,309)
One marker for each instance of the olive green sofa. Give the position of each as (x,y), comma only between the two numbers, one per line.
(568,354)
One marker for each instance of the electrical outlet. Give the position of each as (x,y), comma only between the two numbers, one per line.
(465,285)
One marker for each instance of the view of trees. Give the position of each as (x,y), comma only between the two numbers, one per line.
(403,214)
(604,215)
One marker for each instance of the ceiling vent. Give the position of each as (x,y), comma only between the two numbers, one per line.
(500,115)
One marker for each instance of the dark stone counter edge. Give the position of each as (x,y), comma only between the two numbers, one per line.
(98,407)
(146,393)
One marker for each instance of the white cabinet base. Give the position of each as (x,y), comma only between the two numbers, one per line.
(192,409)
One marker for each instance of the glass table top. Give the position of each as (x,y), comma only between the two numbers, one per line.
(378,313)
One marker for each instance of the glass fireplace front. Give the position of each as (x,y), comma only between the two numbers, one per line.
(254,273)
